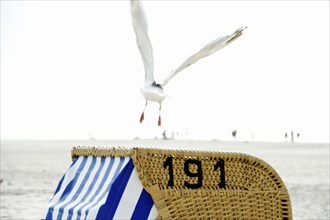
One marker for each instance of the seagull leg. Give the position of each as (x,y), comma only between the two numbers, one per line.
(159,119)
(142,115)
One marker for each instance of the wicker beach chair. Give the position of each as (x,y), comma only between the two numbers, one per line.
(175,184)
(211,185)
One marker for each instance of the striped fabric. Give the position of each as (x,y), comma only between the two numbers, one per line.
(101,188)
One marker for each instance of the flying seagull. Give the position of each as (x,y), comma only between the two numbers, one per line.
(151,90)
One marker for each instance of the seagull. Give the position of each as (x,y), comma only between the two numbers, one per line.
(152,91)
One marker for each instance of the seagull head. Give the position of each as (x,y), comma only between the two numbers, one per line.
(157,85)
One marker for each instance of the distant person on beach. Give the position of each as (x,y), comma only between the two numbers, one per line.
(234,133)
(164,135)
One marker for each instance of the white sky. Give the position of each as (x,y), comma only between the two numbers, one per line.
(70,68)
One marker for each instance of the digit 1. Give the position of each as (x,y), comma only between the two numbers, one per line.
(169,163)
(199,174)
(221,164)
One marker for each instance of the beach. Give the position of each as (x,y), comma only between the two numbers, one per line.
(31,170)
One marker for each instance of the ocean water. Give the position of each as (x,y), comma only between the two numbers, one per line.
(31,170)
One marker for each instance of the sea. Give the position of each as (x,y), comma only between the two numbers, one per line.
(31,170)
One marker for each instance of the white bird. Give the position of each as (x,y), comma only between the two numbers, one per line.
(151,90)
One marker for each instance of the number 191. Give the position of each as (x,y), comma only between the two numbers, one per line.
(199,174)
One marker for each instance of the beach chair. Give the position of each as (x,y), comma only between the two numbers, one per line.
(145,183)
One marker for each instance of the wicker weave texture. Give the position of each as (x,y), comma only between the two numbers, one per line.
(251,189)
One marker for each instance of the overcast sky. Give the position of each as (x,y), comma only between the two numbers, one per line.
(71,68)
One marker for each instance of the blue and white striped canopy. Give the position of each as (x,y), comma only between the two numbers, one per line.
(101,188)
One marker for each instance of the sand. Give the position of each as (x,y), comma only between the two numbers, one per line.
(31,170)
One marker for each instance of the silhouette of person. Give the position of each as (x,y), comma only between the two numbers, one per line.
(234,133)
(292,136)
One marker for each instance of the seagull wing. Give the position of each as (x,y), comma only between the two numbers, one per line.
(207,50)
(140,27)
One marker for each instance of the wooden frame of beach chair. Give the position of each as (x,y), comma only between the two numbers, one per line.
(188,184)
